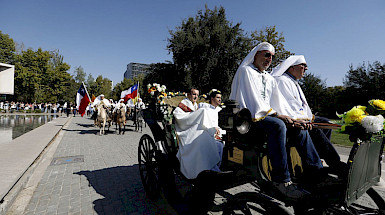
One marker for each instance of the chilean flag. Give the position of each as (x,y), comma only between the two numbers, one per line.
(132,92)
(82,99)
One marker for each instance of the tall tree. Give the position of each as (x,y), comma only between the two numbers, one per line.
(7,49)
(90,80)
(164,73)
(57,79)
(269,34)
(365,82)
(79,74)
(30,75)
(335,101)
(313,88)
(208,49)
(101,86)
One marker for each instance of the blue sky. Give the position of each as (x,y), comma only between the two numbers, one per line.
(104,36)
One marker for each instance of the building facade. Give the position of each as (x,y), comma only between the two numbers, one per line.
(134,69)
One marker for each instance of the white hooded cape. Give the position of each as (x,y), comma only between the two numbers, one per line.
(293,93)
(197,147)
(290,88)
(247,86)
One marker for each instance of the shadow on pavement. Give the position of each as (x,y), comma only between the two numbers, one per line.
(123,192)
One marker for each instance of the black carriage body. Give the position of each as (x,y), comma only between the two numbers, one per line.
(245,153)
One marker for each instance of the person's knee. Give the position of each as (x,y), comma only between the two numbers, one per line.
(280,126)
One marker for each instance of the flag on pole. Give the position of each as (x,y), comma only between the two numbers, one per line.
(93,98)
(82,99)
(132,93)
(135,100)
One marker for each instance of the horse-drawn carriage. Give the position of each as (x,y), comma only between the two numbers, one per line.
(245,162)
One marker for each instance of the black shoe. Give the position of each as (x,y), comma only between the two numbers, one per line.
(290,190)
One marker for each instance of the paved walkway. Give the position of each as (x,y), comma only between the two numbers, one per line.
(92,174)
(85,173)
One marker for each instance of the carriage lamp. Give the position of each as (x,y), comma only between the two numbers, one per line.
(226,115)
(226,122)
(243,121)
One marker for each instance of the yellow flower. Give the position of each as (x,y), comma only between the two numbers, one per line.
(354,115)
(363,108)
(379,104)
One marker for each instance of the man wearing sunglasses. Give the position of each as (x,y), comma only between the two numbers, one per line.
(257,90)
(287,75)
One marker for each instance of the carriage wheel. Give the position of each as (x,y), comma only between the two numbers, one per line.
(148,166)
(253,202)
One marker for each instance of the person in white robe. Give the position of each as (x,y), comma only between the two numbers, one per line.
(257,90)
(215,99)
(140,105)
(120,105)
(287,75)
(100,99)
(189,104)
(198,150)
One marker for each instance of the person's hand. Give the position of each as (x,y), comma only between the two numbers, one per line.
(302,124)
(217,134)
(286,119)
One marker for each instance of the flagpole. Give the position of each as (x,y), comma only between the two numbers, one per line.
(86,91)
(138,90)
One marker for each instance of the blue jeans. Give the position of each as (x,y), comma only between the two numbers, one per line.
(321,140)
(277,134)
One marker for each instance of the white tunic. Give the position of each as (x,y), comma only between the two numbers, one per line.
(198,149)
(98,100)
(294,95)
(189,104)
(258,91)
(118,106)
(209,106)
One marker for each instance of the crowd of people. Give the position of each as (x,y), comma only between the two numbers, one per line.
(12,106)
(64,108)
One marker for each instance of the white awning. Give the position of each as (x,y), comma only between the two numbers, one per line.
(7,73)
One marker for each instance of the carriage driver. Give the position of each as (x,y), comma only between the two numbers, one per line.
(257,90)
(287,75)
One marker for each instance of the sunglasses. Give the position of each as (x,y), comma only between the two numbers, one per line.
(268,55)
(304,65)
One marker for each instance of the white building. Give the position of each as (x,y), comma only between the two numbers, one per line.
(7,73)
(134,69)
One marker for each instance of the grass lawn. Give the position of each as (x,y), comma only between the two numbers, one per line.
(340,139)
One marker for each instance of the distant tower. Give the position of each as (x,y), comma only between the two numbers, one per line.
(134,69)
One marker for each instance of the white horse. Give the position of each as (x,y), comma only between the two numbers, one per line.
(102,117)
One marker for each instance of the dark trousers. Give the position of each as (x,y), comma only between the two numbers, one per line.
(321,140)
(277,134)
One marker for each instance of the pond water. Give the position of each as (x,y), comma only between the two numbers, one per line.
(13,126)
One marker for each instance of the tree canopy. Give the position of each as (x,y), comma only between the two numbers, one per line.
(7,49)
(207,49)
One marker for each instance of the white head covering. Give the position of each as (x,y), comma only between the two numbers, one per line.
(284,65)
(260,47)
(101,95)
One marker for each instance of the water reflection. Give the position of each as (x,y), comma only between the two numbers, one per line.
(13,126)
